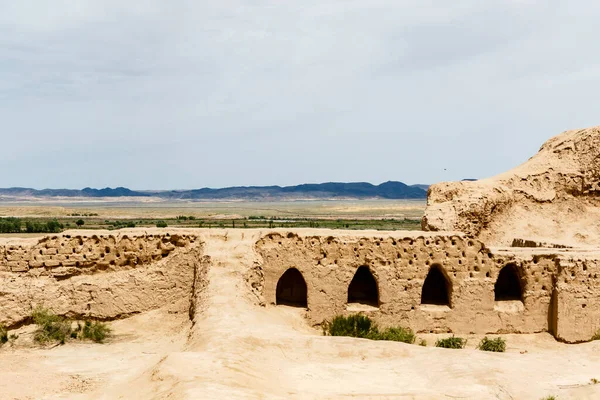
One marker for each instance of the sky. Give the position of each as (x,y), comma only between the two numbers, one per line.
(180,94)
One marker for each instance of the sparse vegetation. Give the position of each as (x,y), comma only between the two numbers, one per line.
(96,331)
(497,345)
(361,326)
(161,224)
(451,343)
(550,398)
(356,325)
(596,336)
(51,327)
(397,334)
(423,343)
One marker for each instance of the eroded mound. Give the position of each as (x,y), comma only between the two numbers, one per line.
(554,196)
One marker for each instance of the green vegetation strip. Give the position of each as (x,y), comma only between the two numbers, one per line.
(56,225)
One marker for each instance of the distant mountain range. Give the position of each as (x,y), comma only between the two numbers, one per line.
(333,190)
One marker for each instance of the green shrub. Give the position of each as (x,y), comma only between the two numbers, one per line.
(361,326)
(423,343)
(399,334)
(96,331)
(161,224)
(3,335)
(596,336)
(51,327)
(497,345)
(451,343)
(550,398)
(355,325)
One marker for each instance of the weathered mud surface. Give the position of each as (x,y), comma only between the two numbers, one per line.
(555,197)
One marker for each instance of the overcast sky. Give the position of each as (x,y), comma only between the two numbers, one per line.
(187,94)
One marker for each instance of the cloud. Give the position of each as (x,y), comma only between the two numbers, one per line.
(188,94)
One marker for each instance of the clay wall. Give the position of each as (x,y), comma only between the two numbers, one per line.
(578,300)
(400,264)
(100,276)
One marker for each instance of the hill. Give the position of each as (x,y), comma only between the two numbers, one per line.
(331,190)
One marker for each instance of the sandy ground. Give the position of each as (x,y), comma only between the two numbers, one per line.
(236,349)
(115,209)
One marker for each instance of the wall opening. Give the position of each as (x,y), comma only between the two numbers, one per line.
(291,289)
(363,288)
(436,289)
(508,286)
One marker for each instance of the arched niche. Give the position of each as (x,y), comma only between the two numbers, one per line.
(291,289)
(508,285)
(436,288)
(363,288)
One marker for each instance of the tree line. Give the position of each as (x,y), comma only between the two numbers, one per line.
(16,225)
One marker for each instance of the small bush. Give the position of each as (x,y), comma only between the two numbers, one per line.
(3,335)
(550,398)
(161,224)
(51,327)
(96,331)
(451,343)
(356,325)
(497,345)
(423,343)
(400,334)
(596,336)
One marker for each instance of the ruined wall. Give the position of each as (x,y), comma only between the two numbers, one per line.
(400,265)
(66,255)
(100,276)
(578,299)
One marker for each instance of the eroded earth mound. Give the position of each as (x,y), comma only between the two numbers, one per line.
(553,197)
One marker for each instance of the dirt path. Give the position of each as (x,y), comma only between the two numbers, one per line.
(238,349)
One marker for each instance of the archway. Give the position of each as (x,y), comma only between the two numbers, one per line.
(363,288)
(291,289)
(436,288)
(508,286)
